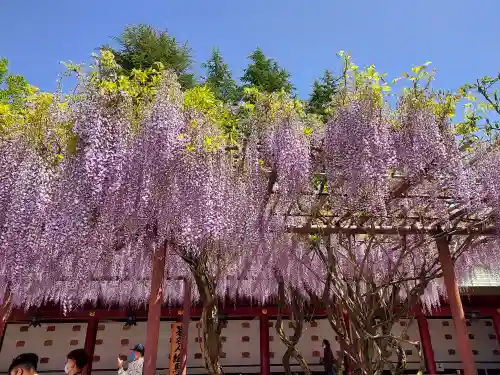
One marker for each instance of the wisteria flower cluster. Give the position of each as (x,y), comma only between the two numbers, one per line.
(85,229)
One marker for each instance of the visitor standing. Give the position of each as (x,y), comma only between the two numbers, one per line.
(24,364)
(76,360)
(136,364)
(328,359)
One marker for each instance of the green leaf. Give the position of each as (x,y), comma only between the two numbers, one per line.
(417,69)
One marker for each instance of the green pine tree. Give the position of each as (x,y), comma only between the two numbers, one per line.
(322,94)
(219,79)
(265,74)
(141,46)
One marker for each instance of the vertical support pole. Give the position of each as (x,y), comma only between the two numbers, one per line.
(3,325)
(90,337)
(265,362)
(457,311)
(154,311)
(425,341)
(186,318)
(4,314)
(496,323)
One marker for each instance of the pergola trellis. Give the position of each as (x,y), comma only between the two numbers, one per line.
(317,223)
(442,243)
(313,224)
(459,224)
(450,281)
(442,236)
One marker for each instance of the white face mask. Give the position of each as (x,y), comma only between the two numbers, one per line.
(66,368)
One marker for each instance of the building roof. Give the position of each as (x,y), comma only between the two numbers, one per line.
(482,277)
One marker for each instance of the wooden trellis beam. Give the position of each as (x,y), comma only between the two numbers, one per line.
(394,230)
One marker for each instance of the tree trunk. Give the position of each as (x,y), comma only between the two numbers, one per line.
(422,366)
(339,321)
(211,325)
(297,316)
(401,365)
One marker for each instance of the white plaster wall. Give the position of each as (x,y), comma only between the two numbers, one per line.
(241,345)
(51,342)
(112,337)
(483,341)
(309,345)
(410,329)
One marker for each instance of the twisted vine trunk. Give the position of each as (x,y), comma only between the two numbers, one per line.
(366,338)
(401,365)
(211,325)
(421,366)
(297,315)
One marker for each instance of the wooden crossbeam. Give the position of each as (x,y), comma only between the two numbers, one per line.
(394,230)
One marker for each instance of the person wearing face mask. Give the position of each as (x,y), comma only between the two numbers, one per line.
(76,360)
(24,364)
(328,359)
(136,364)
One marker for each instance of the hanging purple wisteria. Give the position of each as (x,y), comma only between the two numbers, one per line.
(85,229)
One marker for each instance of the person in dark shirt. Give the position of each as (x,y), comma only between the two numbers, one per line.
(24,364)
(76,360)
(328,359)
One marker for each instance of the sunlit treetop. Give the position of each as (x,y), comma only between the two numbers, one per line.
(482,111)
(219,79)
(142,47)
(265,74)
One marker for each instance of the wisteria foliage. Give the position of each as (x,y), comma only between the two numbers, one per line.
(85,229)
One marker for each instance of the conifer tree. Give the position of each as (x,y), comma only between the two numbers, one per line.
(219,79)
(265,74)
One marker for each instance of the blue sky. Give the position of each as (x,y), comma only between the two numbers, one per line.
(458,36)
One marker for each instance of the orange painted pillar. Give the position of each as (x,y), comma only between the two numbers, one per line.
(4,315)
(425,341)
(265,361)
(186,318)
(457,311)
(496,323)
(90,338)
(154,312)
(3,325)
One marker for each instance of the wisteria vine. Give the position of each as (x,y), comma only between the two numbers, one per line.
(85,229)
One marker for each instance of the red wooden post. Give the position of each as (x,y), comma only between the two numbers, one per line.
(154,311)
(3,325)
(186,318)
(425,341)
(4,314)
(457,311)
(496,323)
(90,338)
(265,362)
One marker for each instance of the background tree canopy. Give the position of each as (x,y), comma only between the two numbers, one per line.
(265,74)
(219,79)
(142,46)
